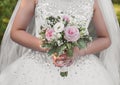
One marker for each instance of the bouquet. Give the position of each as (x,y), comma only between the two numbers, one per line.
(62,33)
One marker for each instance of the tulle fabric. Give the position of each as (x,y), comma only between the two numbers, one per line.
(35,68)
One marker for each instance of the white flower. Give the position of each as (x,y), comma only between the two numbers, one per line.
(58,35)
(85,32)
(59,43)
(58,27)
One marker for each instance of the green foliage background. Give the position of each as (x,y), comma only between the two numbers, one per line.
(7,6)
(116,1)
(6,9)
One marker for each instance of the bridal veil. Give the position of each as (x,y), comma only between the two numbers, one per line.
(10,51)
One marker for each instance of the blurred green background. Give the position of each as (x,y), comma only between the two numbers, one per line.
(7,6)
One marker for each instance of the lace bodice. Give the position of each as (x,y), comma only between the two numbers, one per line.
(82,10)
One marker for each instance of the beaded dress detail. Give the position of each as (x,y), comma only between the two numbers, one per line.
(37,68)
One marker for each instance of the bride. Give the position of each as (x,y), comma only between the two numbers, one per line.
(24,62)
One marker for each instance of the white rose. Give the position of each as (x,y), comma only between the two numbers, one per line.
(58,27)
(57,36)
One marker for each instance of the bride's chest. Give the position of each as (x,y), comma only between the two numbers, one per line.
(82,9)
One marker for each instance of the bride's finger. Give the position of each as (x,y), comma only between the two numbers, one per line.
(59,58)
(58,64)
(43,49)
(55,62)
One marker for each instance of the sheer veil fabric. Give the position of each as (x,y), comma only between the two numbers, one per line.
(10,51)
(111,56)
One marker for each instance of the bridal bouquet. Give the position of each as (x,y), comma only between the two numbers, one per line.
(62,33)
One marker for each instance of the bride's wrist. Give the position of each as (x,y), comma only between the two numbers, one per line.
(41,48)
(83,52)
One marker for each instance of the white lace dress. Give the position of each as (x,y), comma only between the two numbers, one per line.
(37,68)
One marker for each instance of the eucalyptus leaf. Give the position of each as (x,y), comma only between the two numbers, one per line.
(52,51)
(69,46)
(69,52)
(47,45)
(60,49)
(81,43)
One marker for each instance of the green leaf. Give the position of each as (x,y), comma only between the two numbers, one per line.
(64,74)
(81,43)
(60,49)
(75,44)
(69,52)
(46,45)
(69,45)
(51,51)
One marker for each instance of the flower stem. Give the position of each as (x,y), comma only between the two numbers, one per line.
(64,74)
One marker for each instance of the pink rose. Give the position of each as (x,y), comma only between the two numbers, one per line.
(72,33)
(49,34)
(66,18)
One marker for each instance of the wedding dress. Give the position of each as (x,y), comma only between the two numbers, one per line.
(37,68)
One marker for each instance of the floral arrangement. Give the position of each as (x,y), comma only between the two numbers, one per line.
(62,33)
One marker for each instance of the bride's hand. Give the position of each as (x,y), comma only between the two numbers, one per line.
(62,60)
(43,49)
(65,60)
(78,52)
